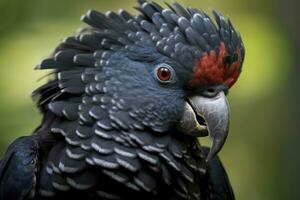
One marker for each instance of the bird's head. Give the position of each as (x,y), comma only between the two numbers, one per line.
(166,71)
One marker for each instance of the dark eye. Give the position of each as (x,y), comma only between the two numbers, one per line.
(164,73)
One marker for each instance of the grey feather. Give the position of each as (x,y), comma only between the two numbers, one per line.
(170,160)
(83,181)
(105,161)
(148,157)
(130,164)
(145,181)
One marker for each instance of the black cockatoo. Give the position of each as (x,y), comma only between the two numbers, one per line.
(127,100)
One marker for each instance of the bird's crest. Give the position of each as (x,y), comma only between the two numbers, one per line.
(210,50)
(216,69)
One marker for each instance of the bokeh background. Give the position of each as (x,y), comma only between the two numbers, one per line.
(262,151)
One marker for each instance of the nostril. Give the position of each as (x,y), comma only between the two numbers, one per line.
(211,90)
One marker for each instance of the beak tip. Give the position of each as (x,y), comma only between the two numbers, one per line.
(215,148)
(210,156)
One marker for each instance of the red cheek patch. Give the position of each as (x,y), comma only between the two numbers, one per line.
(212,70)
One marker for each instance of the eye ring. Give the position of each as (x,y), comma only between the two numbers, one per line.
(165,73)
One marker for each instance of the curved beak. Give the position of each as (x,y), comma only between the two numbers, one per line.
(207,116)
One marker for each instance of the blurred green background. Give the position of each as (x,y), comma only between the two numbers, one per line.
(261,154)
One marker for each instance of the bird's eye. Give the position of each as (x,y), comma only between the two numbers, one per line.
(163,74)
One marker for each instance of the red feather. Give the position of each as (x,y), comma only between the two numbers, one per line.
(211,69)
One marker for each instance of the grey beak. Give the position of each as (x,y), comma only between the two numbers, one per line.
(207,115)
